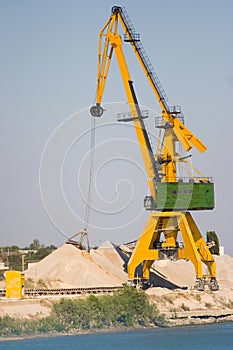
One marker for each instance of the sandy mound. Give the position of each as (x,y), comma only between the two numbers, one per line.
(69,267)
(182,273)
(225,271)
(224,267)
(107,255)
(178,273)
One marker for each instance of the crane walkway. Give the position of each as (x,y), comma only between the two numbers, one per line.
(134,38)
(136,42)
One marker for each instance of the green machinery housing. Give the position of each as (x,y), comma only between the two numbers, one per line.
(182,196)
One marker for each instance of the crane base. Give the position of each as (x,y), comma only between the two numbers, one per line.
(139,284)
(211,283)
(150,247)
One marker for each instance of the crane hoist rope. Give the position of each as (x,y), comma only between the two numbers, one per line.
(171,197)
(83,242)
(90,177)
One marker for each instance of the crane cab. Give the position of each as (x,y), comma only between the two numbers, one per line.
(182,195)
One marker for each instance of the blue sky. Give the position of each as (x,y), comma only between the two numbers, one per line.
(48,72)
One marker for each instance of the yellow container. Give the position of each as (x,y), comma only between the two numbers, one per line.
(14,284)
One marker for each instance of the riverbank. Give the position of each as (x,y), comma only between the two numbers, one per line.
(178,322)
(191,306)
(169,302)
(76,333)
(127,309)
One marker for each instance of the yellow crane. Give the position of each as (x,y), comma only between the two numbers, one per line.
(172,198)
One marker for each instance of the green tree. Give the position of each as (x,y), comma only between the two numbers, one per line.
(13,248)
(35,245)
(40,254)
(15,262)
(213,242)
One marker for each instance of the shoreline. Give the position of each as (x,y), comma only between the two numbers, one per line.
(175,308)
(77,333)
(172,322)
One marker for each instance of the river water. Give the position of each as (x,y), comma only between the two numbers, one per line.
(207,337)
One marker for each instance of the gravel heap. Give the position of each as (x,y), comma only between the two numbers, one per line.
(70,267)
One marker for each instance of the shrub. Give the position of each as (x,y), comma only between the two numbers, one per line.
(212,237)
(126,307)
(185,307)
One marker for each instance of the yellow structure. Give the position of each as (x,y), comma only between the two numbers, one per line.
(170,198)
(14,284)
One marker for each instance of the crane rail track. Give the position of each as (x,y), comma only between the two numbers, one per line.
(66,291)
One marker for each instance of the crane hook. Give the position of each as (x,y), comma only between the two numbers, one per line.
(96,111)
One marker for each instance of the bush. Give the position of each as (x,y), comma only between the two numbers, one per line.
(127,307)
(184,307)
(212,237)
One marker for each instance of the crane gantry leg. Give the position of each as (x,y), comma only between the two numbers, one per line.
(150,247)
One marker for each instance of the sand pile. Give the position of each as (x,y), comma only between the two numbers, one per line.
(172,274)
(69,267)
(108,256)
(225,271)
(182,273)
(166,273)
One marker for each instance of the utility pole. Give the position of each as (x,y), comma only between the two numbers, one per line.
(23,260)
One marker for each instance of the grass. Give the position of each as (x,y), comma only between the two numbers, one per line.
(168,298)
(226,303)
(184,307)
(208,305)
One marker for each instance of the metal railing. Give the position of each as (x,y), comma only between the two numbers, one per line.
(66,291)
(161,123)
(128,117)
